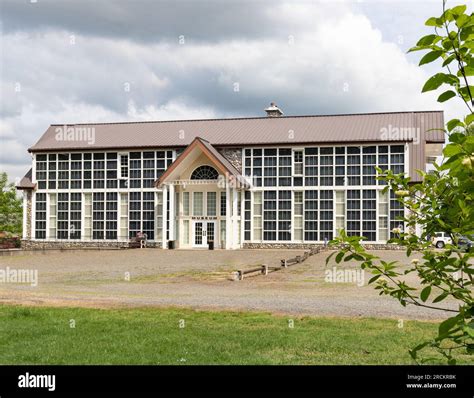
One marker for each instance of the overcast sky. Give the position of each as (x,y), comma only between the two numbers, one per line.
(100,61)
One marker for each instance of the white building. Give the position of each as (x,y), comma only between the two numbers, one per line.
(275,181)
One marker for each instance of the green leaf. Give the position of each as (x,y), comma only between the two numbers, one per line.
(459,10)
(430,57)
(433,21)
(469,119)
(339,257)
(425,293)
(427,40)
(441,297)
(448,60)
(452,149)
(446,96)
(374,278)
(453,123)
(447,325)
(437,80)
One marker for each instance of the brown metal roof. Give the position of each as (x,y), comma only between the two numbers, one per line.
(25,182)
(248,131)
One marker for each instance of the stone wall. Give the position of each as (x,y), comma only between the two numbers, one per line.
(28,244)
(303,246)
(29,202)
(234,156)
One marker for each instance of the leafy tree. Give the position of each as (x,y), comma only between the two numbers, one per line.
(11,208)
(443,201)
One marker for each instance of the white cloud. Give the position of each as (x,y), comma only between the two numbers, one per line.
(335,62)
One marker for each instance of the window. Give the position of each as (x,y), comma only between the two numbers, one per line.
(123,166)
(311,166)
(142,214)
(353,166)
(111,173)
(104,215)
(40,215)
(325,215)
(211,203)
(353,212)
(159,215)
(123,216)
(340,166)
(270,215)
(311,215)
(185,203)
(41,171)
(284,215)
(198,204)
(382,160)
(69,215)
(75,216)
(63,216)
(186,232)
(396,213)
(52,215)
(369,214)
(340,211)
(369,161)
(205,173)
(326,169)
(284,167)
(88,216)
(298,162)
(63,171)
(257,216)
(270,167)
(298,215)
(148,169)
(223,203)
(383,215)
(247,215)
(397,158)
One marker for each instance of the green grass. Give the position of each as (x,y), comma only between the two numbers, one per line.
(42,335)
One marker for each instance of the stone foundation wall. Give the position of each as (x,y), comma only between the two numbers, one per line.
(48,245)
(29,204)
(303,246)
(234,156)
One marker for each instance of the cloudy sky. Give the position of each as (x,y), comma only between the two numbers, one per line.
(97,61)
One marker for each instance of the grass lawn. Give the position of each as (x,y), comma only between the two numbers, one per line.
(42,335)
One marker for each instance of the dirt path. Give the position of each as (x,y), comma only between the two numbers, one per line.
(199,279)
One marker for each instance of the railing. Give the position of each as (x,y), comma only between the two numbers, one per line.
(284,263)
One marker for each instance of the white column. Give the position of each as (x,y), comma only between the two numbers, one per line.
(172,204)
(228,218)
(242,217)
(235,216)
(164,193)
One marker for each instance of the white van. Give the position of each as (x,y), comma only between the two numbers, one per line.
(441,239)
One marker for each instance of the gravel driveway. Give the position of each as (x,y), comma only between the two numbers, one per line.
(201,280)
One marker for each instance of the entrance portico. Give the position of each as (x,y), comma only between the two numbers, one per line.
(204,192)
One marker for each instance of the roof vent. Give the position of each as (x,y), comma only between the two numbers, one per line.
(273,110)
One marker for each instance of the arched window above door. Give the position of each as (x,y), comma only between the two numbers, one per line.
(205,173)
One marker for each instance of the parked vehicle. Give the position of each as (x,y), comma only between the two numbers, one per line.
(465,242)
(441,239)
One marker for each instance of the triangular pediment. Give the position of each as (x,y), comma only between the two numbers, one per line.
(199,152)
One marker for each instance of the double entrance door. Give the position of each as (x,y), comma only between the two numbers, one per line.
(203,232)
